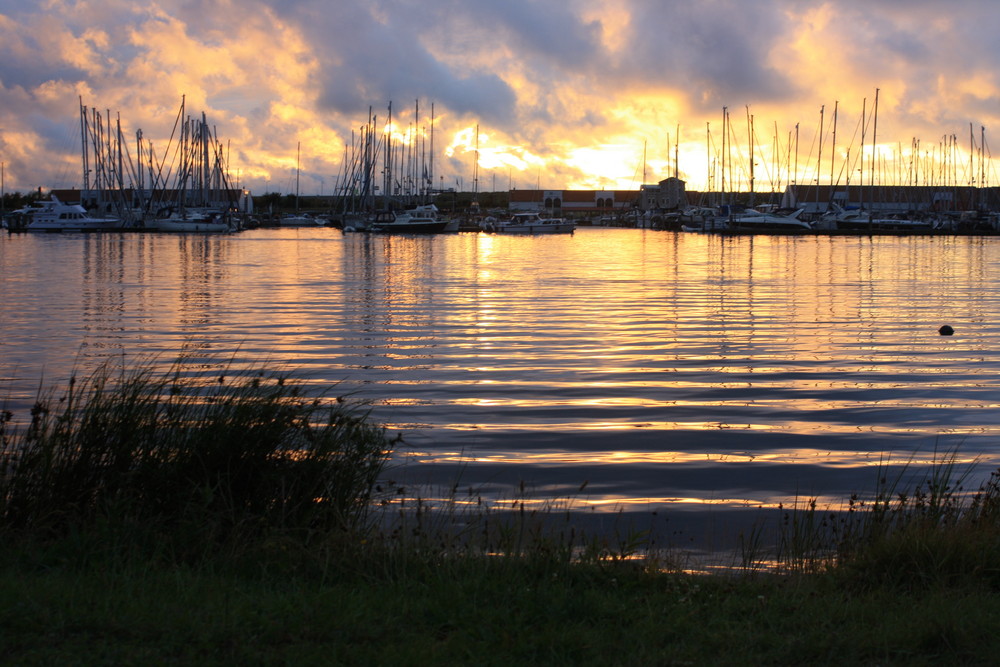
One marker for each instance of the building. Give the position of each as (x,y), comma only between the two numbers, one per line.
(574,203)
(891,199)
(667,195)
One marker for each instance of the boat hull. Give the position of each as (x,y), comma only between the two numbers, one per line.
(95,225)
(428,227)
(544,228)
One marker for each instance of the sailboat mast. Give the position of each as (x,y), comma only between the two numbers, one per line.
(475,168)
(833,149)
(430,158)
(677,151)
(861,158)
(644,158)
(750,143)
(708,156)
(871,178)
(723,172)
(83,137)
(819,158)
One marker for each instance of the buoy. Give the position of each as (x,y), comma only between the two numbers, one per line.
(946,330)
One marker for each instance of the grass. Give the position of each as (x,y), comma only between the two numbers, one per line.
(189,517)
(183,458)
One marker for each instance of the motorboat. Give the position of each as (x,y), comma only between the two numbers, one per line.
(300,220)
(753,220)
(420,220)
(856,220)
(192,220)
(56,216)
(529,223)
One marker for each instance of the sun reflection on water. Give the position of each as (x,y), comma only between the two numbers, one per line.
(665,368)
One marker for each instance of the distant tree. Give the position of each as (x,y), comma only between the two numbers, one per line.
(15,200)
(266,202)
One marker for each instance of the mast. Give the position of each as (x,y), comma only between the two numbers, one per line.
(298,149)
(750,143)
(430,159)
(861,160)
(708,156)
(972,157)
(833,149)
(205,162)
(475,169)
(83,137)
(871,177)
(644,157)
(723,172)
(819,157)
(795,172)
(677,151)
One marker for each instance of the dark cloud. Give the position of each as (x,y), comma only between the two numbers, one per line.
(718,51)
(580,58)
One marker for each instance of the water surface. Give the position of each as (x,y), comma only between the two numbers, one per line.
(694,376)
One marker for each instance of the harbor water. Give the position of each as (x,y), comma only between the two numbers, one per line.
(640,376)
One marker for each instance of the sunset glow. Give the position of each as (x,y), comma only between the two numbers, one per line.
(588,94)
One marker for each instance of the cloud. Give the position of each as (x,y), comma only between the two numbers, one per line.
(553,85)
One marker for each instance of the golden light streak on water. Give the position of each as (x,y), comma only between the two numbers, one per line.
(669,370)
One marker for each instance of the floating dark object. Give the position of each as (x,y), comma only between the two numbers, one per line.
(946,330)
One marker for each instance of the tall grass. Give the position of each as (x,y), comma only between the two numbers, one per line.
(916,530)
(198,457)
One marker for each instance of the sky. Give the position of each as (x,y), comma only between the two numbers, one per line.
(577,94)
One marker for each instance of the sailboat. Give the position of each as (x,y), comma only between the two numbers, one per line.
(298,219)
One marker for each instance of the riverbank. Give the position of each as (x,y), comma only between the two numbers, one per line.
(193,516)
(64,609)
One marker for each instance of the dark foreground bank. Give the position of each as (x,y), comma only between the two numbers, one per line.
(226,518)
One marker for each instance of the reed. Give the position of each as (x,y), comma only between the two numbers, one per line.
(205,457)
(931,534)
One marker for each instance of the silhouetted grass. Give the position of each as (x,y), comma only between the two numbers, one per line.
(197,517)
(191,458)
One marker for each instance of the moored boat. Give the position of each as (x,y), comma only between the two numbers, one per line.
(752,220)
(420,220)
(56,216)
(193,221)
(855,220)
(530,223)
(300,220)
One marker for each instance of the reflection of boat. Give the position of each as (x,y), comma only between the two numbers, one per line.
(752,220)
(55,216)
(193,220)
(530,223)
(419,220)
